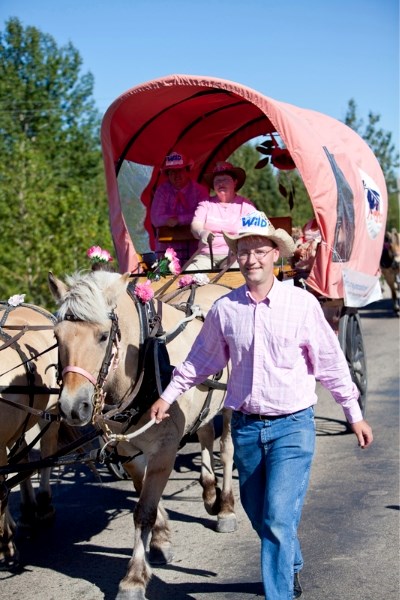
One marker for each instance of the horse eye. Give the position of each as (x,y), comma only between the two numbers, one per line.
(103,336)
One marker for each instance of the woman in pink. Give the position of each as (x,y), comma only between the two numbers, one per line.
(175,202)
(222,212)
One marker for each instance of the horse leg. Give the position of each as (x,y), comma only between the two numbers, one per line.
(227,522)
(218,502)
(28,508)
(396,292)
(160,546)
(48,446)
(9,557)
(133,585)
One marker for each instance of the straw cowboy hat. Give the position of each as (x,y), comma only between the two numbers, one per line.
(258,224)
(176,160)
(228,168)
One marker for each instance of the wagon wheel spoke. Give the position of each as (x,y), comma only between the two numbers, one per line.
(351,341)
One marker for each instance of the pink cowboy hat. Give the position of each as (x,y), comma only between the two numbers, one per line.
(226,167)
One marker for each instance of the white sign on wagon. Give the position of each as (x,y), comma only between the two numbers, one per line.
(360,289)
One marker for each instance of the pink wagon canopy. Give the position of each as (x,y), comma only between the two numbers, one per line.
(207,119)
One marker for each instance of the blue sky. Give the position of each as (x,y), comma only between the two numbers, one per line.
(311,53)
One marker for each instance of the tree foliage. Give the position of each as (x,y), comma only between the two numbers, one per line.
(269,188)
(52,197)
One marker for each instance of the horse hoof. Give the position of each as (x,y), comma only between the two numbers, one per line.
(10,564)
(160,556)
(226,525)
(45,511)
(131,595)
(27,521)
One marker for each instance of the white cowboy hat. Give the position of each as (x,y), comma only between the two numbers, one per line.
(258,224)
(176,160)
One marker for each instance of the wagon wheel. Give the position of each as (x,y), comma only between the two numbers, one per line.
(117,471)
(351,342)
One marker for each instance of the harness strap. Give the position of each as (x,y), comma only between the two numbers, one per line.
(50,461)
(80,371)
(212,384)
(28,327)
(12,340)
(33,411)
(15,457)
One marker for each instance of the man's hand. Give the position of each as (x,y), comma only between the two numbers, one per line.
(159,409)
(363,432)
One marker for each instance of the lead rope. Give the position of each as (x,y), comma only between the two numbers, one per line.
(118,437)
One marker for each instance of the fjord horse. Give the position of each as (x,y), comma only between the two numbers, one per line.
(106,339)
(28,384)
(390,266)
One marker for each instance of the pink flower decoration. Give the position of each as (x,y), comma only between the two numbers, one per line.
(144,291)
(97,254)
(170,254)
(185,280)
(174,266)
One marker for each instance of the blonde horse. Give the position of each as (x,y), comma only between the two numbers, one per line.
(28,380)
(390,266)
(108,344)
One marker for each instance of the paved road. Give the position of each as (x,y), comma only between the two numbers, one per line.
(349,530)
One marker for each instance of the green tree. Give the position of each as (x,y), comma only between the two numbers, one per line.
(269,188)
(52,197)
(382,145)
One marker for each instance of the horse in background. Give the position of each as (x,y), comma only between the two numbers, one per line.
(390,266)
(28,385)
(110,343)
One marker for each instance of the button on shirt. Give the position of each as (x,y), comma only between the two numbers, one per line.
(277,347)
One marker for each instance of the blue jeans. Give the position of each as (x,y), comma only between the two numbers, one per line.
(273,459)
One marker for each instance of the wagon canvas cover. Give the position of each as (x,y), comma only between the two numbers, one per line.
(207,119)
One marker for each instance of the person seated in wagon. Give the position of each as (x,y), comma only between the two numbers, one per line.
(306,248)
(175,202)
(220,212)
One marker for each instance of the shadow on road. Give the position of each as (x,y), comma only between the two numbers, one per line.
(382,309)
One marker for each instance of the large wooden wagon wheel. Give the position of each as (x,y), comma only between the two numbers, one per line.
(351,342)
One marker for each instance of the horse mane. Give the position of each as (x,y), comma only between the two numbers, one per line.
(86,298)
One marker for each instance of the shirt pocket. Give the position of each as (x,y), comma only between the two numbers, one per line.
(285,352)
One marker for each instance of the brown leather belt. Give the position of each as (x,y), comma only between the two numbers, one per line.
(253,417)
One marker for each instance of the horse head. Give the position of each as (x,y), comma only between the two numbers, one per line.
(89,332)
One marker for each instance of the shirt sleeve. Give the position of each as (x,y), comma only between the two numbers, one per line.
(329,364)
(199,218)
(208,355)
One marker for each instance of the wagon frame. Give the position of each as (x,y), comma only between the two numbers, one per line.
(208,119)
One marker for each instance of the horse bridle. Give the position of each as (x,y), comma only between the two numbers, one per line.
(111,358)
(150,324)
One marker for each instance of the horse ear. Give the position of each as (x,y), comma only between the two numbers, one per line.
(116,289)
(58,289)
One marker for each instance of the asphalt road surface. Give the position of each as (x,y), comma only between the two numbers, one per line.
(349,530)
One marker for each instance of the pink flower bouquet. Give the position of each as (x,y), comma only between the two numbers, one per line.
(144,291)
(97,254)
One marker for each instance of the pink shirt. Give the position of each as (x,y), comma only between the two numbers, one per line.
(168,202)
(277,347)
(217,216)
